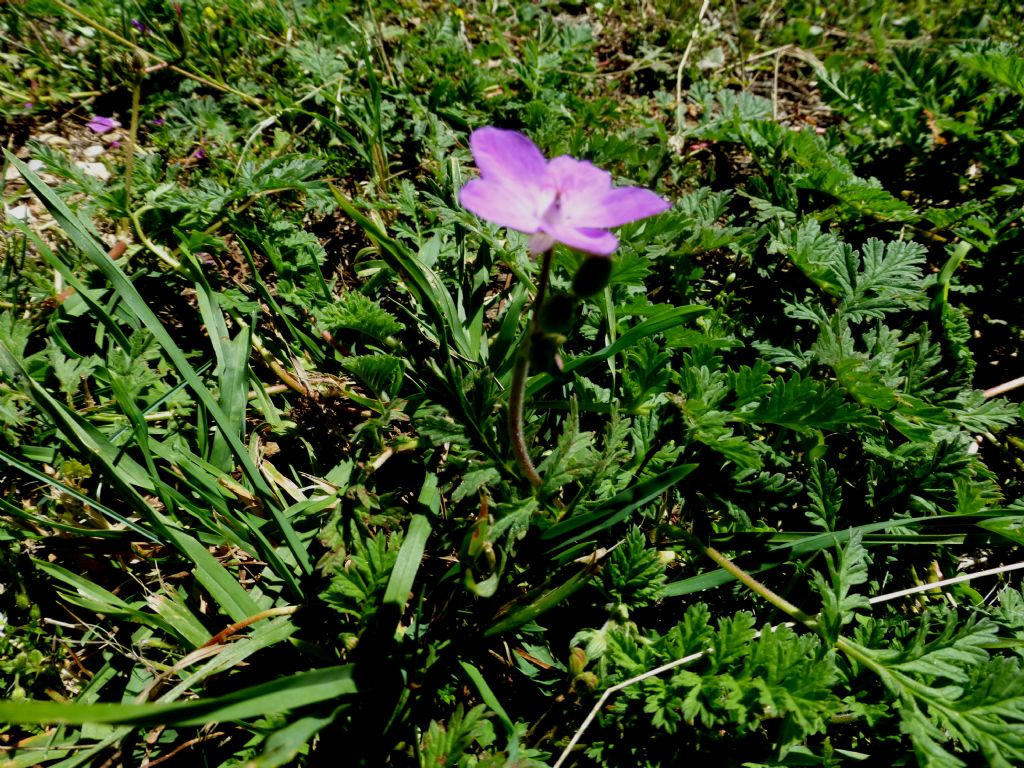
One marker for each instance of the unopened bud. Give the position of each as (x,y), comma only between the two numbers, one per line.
(588,681)
(593,275)
(559,313)
(577,662)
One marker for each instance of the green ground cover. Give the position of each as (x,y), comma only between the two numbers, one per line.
(259,498)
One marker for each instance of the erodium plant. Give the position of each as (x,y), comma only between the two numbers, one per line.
(562,200)
(572,202)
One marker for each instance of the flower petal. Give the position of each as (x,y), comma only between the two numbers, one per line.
(510,158)
(619,206)
(594,241)
(540,242)
(578,176)
(99,124)
(499,204)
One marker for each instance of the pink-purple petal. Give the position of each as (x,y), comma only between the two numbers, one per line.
(579,177)
(620,206)
(566,200)
(540,241)
(588,240)
(499,204)
(100,124)
(509,157)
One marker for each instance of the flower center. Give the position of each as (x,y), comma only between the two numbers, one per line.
(553,214)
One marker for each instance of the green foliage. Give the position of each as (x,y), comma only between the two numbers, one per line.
(448,743)
(838,605)
(381,373)
(634,575)
(359,575)
(305,352)
(951,693)
(804,404)
(744,682)
(359,313)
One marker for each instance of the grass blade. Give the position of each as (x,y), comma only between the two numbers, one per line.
(85,240)
(615,510)
(408,563)
(275,697)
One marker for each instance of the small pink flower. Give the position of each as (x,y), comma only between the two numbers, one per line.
(563,200)
(102,124)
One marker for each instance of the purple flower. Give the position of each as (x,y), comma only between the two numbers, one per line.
(199,154)
(102,124)
(139,26)
(157,121)
(563,200)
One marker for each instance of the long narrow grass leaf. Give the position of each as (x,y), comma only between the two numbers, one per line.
(81,235)
(275,697)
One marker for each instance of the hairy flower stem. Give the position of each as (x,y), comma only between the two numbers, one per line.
(515,415)
(517,395)
(129,152)
(756,586)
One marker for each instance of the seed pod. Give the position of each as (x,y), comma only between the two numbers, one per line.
(592,276)
(559,313)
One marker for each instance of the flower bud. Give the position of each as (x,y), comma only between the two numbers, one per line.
(559,313)
(586,682)
(577,661)
(593,275)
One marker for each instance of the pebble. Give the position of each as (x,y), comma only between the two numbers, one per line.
(96,170)
(20,212)
(52,140)
(12,172)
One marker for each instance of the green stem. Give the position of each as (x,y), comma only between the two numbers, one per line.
(756,586)
(129,157)
(515,415)
(542,289)
(161,253)
(517,395)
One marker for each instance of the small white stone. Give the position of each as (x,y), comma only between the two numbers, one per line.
(13,174)
(94,151)
(20,212)
(96,170)
(52,139)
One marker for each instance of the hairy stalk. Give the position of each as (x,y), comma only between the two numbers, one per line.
(515,414)
(756,586)
(133,135)
(517,395)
